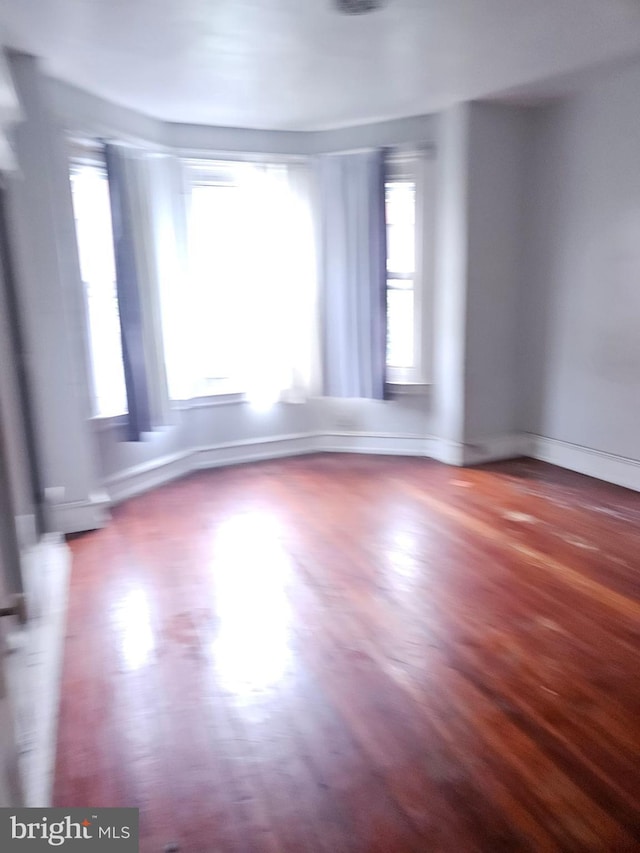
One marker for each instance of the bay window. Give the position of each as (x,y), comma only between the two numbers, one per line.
(235,275)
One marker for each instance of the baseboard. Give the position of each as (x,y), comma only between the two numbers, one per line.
(35,665)
(377,443)
(253,450)
(494,448)
(619,470)
(476,452)
(448,452)
(150,475)
(76,516)
(142,478)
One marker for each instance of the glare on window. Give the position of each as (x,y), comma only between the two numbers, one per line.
(401,264)
(92,212)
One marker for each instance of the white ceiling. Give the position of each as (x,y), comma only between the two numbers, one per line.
(297,64)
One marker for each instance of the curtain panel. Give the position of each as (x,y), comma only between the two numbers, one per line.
(135,244)
(354,259)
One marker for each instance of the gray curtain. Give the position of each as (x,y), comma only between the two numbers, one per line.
(129,301)
(354,261)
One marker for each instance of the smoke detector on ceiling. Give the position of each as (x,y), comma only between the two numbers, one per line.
(357,7)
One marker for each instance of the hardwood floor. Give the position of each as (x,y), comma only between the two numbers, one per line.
(360,653)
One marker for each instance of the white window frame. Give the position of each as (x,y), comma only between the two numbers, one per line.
(417,166)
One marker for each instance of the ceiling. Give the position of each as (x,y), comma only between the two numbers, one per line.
(298,64)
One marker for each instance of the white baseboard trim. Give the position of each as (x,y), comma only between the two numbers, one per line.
(142,478)
(449,452)
(477,452)
(619,470)
(377,443)
(495,448)
(76,516)
(253,450)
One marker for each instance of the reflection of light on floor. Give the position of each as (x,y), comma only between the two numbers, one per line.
(400,554)
(133,621)
(252,648)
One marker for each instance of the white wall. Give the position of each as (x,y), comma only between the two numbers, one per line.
(450,296)
(482,169)
(20,526)
(580,310)
(496,203)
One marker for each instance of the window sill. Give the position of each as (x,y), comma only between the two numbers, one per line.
(394,390)
(106,422)
(408,389)
(100,423)
(220,398)
(205,400)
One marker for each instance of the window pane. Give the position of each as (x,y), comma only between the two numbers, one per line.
(92,212)
(216,252)
(400,213)
(401,202)
(251,281)
(400,343)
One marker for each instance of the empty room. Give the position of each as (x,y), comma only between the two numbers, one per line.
(319,425)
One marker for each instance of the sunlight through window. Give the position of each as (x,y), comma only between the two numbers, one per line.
(92,212)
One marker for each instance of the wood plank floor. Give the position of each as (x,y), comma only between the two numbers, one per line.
(337,653)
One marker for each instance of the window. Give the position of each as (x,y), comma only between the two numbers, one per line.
(405,202)
(251,272)
(92,211)
(217,237)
